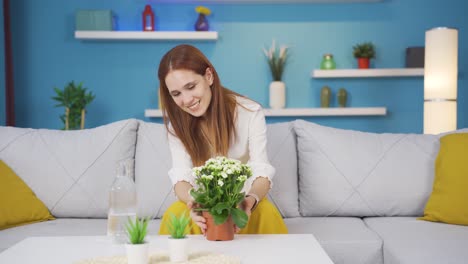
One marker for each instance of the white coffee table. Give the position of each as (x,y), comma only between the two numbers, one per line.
(294,248)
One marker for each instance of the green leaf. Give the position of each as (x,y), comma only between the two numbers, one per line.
(220,207)
(239,217)
(137,229)
(179,226)
(220,218)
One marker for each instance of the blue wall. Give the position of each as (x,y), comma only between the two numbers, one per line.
(2,70)
(122,74)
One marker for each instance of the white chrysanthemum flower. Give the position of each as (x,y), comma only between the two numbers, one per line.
(224,175)
(242,178)
(220,183)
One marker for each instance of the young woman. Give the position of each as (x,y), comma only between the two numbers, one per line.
(204,120)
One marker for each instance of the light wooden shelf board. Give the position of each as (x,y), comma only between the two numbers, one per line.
(332,111)
(147,35)
(356,73)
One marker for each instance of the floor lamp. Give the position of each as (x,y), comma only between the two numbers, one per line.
(440,80)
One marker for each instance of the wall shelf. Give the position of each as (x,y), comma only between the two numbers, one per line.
(263,1)
(332,111)
(147,35)
(356,73)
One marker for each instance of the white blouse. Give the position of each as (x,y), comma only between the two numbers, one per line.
(249,147)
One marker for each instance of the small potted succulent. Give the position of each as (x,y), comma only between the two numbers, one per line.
(137,248)
(219,192)
(363,52)
(178,240)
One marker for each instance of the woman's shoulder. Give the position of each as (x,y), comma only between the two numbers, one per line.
(247,104)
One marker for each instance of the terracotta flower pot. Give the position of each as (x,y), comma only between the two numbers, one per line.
(363,63)
(223,232)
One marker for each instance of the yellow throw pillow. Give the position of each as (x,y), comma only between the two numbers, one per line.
(448,202)
(18,203)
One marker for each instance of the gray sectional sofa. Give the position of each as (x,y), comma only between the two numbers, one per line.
(359,193)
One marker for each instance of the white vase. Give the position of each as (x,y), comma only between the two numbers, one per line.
(178,249)
(277,95)
(137,253)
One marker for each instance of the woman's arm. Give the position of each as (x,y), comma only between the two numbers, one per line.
(182,189)
(259,189)
(262,170)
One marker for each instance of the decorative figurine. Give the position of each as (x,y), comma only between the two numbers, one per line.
(327,62)
(148,19)
(342,96)
(325,96)
(202,22)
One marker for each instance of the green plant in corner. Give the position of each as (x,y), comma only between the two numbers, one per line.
(74,98)
(179,226)
(364,50)
(137,230)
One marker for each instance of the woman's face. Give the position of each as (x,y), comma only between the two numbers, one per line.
(190,91)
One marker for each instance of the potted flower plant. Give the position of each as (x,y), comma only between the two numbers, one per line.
(363,52)
(178,240)
(137,248)
(277,59)
(219,192)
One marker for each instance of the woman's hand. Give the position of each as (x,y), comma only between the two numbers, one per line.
(196,216)
(246,205)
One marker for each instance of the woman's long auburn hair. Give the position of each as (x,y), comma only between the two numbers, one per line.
(219,115)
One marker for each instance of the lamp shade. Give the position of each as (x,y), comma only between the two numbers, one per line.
(440,80)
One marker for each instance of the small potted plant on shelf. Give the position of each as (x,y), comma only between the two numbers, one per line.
(137,248)
(277,59)
(363,52)
(219,192)
(178,240)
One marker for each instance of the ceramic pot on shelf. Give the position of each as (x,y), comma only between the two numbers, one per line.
(328,63)
(202,23)
(363,63)
(342,97)
(325,96)
(222,232)
(277,95)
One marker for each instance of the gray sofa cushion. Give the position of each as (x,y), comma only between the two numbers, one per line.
(61,227)
(408,241)
(352,173)
(281,148)
(152,163)
(70,171)
(346,240)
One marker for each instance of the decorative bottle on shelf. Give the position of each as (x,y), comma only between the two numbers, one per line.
(122,202)
(342,96)
(325,96)
(148,19)
(328,63)
(202,23)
